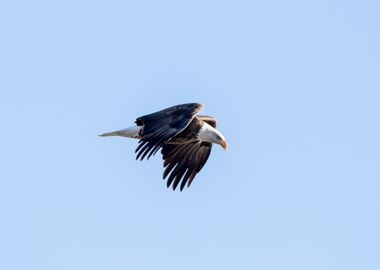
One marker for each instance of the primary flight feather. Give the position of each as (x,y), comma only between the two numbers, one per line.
(185,140)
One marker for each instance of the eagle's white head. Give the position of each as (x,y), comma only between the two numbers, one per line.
(209,134)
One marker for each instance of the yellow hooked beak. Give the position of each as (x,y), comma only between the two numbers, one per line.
(224,144)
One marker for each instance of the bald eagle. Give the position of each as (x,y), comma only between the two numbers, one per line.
(185,140)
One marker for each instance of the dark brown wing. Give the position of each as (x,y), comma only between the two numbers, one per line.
(183,161)
(161,126)
(208,119)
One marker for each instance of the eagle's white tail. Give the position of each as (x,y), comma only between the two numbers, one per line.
(131,132)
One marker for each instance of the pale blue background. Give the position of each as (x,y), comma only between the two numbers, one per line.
(295,87)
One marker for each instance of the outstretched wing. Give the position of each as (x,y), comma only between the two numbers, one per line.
(161,126)
(183,161)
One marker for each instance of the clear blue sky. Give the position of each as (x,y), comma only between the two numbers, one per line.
(294,85)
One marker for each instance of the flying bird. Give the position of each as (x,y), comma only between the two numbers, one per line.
(185,140)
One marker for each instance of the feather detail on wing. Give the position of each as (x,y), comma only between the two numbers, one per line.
(183,161)
(161,126)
